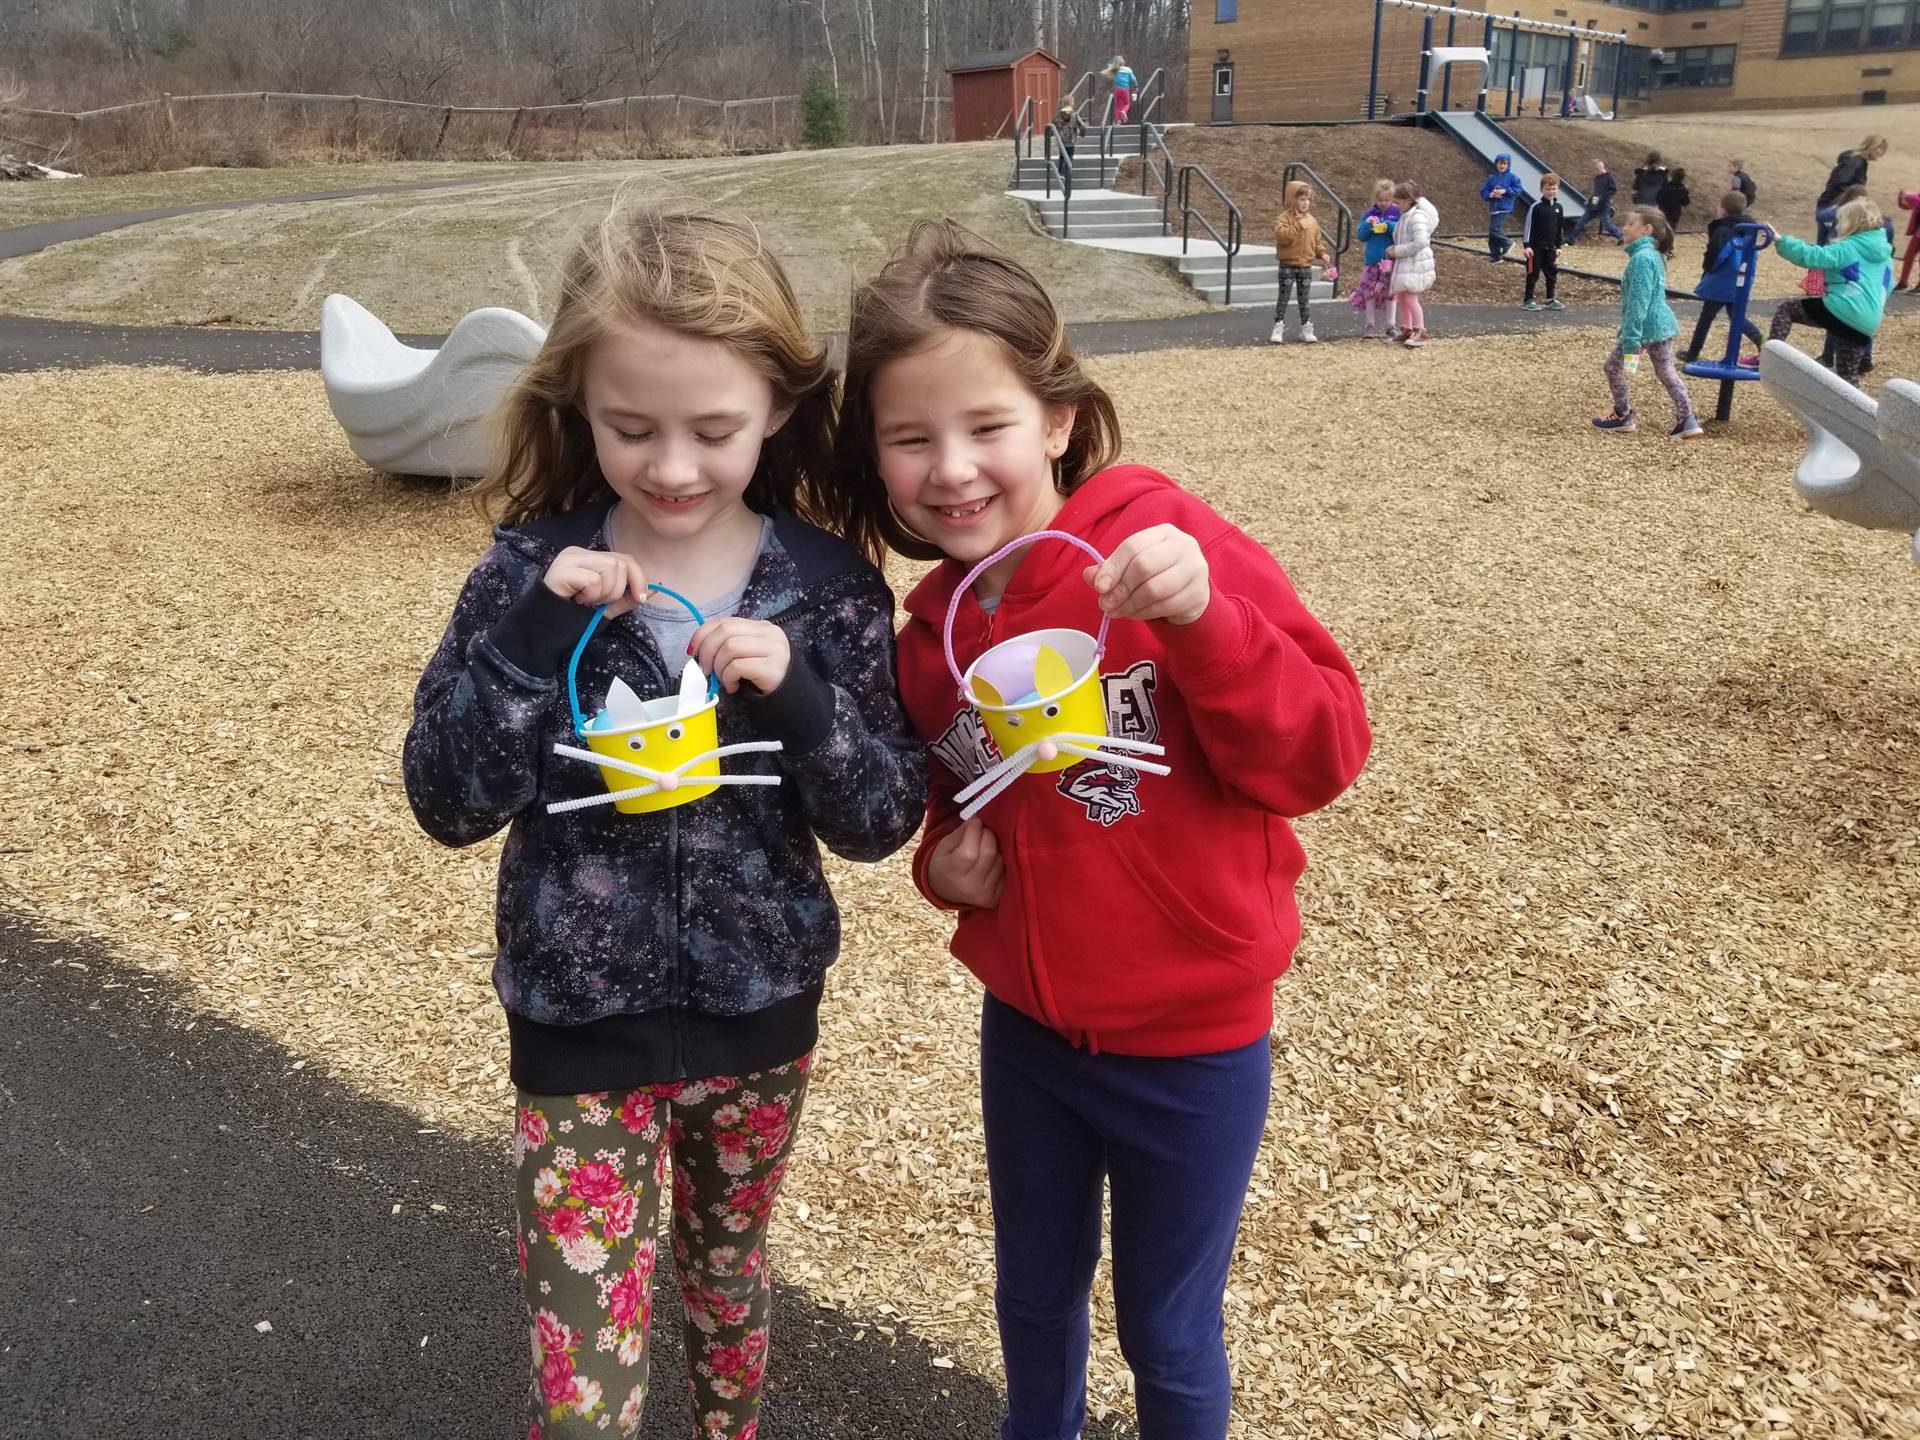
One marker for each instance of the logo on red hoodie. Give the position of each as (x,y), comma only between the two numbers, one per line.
(1108,793)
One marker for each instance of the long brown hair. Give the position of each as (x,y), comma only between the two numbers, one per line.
(692,272)
(1657,226)
(946,278)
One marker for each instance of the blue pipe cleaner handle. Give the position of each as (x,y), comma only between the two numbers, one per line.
(573,661)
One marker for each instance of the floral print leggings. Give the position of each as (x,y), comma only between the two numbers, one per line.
(590,1171)
(1660,352)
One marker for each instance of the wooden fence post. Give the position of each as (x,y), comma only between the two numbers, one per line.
(353,126)
(514,129)
(266,122)
(446,119)
(579,121)
(626,122)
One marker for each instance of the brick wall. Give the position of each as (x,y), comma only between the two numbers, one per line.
(1299,61)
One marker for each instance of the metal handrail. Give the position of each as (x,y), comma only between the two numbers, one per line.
(1022,128)
(1343,233)
(1074,90)
(1153,139)
(1235,224)
(1142,108)
(1053,138)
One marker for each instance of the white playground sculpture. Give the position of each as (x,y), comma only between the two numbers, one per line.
(1863,459)
(419,412)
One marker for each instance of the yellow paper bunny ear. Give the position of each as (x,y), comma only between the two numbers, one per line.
(985,693)
(1051,673)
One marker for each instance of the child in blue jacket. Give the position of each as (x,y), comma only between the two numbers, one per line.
(1858,267)
(1647,323)
(1501,190)
(1373,295)
(1719,285)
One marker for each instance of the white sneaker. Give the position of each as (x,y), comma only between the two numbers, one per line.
(1306,334)
(1279,334)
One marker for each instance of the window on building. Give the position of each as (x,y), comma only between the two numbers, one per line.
(1816,26)
(1634,72)
(1225,12)
(1694,67)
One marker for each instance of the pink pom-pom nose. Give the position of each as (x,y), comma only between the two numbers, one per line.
(669,782)
(1048,751)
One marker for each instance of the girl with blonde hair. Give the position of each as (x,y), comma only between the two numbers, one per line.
(661,972)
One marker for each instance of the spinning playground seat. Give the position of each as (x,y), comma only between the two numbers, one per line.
(1863,460)
(419,412)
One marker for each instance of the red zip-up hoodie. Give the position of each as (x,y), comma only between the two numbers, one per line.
(1145,915)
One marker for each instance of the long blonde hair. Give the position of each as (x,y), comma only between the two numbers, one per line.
(1855,216)
(1867,146)
(697,274)
(946,278)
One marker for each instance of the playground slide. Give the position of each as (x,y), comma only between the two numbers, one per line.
(1485,139)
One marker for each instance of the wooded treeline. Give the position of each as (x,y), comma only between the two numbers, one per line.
(886,57)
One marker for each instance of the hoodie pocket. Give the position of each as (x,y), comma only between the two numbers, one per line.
(1118,942)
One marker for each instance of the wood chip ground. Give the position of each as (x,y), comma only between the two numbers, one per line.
(1596,1086)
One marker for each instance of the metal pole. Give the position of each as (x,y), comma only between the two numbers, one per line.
(1486,70)
(1619,69)
(1513,62)
(1566,75)
(1426,65)
(1446,75)
(1373,74)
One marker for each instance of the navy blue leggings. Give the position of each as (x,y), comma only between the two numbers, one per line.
(1175,1141)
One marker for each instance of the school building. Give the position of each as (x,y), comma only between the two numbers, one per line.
(1311,59)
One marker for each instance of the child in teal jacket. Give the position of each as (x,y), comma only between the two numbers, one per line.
(1647,323)
(1858,269)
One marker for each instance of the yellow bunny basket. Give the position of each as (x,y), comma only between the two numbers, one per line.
(654,754)
(1039,695)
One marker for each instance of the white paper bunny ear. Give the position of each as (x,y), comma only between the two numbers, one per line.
(624,708)
(693,689)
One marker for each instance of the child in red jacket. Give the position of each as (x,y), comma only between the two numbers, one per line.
(1910,202)
(1128,926)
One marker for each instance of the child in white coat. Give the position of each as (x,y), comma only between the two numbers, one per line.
(1413,268)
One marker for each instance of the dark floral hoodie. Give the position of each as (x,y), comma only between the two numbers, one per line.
(693,941)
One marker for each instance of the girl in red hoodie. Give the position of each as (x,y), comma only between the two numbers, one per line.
(1128,927)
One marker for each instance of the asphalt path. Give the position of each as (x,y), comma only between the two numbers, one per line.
(174,1182)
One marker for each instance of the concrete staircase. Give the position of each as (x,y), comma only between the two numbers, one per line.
(1111,219)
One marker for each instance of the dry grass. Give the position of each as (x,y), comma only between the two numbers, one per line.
(32,204)
(1595,1095)
(422,260)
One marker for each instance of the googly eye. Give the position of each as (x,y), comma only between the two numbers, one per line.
(676,732)
(1052,712)
(1014,721)
(636,742)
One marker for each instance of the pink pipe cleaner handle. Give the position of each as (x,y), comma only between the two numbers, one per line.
(953,609)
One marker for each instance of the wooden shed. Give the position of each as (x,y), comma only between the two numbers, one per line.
(990,90)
